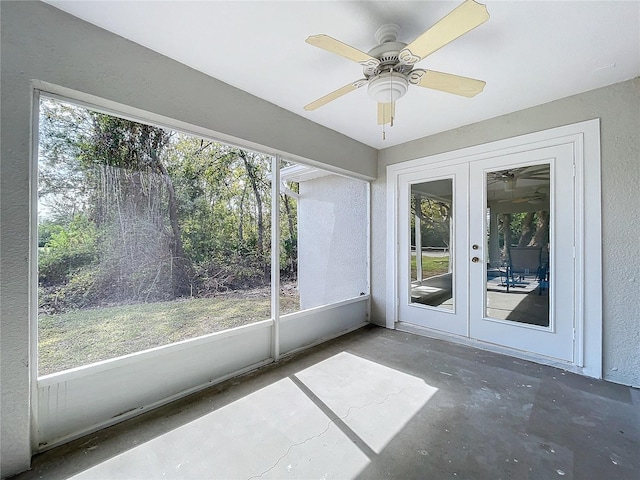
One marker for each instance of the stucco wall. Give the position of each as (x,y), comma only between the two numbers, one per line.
(42,43)
(618,107)
(332,240)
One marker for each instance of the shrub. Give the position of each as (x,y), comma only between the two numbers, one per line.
(68,249)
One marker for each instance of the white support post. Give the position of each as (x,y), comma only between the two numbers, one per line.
(369,235)
(418,235)
(275,256)
(452,241)
(494,244)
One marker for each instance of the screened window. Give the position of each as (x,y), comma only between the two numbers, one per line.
(146,236)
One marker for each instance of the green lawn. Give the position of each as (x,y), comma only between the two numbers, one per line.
(431,266)
(81,337)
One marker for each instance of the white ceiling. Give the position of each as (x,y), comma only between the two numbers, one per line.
(528,53)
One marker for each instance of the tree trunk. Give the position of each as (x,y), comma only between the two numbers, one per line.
(181,284)
(541,237)
(251,172)
(241,218)
(292,251)
(505,225)
(287,209)
(527,229)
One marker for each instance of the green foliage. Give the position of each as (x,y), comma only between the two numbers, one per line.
(67,249)
(434,226)
(516,225)
(46,229)
(121,143)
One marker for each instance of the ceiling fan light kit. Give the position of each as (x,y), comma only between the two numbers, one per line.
(388,87)
(388,67)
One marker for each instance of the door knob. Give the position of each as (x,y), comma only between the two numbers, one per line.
(475,247)
(475,259)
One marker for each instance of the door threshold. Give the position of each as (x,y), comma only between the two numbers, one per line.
(490,347)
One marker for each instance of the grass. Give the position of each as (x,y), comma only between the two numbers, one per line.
(431,266)
(82,337)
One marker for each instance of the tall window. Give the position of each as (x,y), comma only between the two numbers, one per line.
(146,236)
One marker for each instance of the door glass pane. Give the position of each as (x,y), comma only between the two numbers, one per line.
(431,221)
(518,218)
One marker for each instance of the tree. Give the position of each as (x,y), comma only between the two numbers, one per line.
(252,173)
(172,214)
(435,221)
(527,229)
(541,237)
(504,227)
(290,242)
(62,184)
(137,149)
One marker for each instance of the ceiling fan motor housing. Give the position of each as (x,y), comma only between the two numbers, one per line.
(388,33)
(387,82)
(388,87)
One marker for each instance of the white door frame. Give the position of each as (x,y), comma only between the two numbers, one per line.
(584,137)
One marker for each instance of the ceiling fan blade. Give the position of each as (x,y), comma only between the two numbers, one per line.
(347,51)
(459,21)
(536,170)
(386,112)
(335,94)
(447,82)
(536,177)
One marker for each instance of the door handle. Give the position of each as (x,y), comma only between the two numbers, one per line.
(475,259)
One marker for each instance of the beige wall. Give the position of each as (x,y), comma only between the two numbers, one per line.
(618,107)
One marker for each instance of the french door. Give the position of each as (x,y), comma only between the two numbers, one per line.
(486,250)
(433,268)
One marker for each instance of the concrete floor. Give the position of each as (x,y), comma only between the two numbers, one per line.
(375,404)
(523,303)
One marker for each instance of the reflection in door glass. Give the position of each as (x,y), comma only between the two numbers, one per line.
(431,223)
(518,218)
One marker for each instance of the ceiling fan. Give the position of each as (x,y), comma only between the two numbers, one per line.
(389,67)
(537,197)
(509,178)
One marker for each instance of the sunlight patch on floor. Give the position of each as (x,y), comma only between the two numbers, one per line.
(375,401)
(299,427)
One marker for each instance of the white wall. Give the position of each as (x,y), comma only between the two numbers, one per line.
(42,43)
(618,107)
(332,240)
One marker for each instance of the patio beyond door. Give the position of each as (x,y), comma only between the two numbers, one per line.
(486,250)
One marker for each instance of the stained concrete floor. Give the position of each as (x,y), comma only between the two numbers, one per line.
(523,303)
(375,404)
